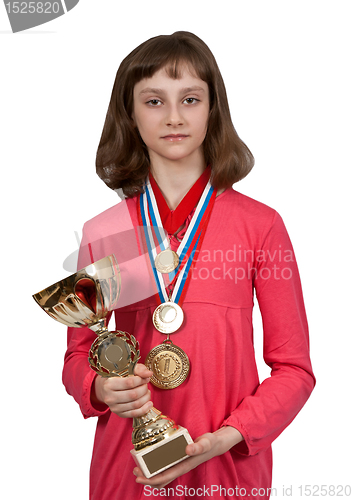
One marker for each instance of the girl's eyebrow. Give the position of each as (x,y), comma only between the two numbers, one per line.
(150,90)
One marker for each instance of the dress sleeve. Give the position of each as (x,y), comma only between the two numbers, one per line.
(77,374)
(262,416)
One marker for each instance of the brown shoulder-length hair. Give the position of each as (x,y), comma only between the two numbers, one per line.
(122,158)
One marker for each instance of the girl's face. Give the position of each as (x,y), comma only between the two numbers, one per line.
(172,116)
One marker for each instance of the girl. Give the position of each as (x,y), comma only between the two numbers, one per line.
(169,147)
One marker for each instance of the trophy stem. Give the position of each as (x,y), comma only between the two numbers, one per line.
(150,416)
(100,327)
(152,428)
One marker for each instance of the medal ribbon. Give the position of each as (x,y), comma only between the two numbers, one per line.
(192,240)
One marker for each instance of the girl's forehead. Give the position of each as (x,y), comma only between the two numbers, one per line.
(187,77)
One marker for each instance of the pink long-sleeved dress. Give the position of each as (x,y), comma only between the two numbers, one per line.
(246,251)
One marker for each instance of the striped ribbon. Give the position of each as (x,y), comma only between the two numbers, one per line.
(157,239)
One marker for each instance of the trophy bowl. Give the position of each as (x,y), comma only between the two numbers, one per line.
(84,298)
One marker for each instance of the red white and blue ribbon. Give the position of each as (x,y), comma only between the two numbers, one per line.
(157,239)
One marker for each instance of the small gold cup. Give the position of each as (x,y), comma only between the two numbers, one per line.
(85,299)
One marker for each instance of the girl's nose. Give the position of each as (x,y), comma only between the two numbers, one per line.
(173,116)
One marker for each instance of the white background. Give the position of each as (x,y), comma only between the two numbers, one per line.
(287,67)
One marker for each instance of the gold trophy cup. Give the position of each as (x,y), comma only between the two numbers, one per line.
(85,299)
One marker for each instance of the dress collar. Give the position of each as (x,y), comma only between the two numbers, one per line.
(173,219)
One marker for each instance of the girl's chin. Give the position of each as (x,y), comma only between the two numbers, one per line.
(175,154)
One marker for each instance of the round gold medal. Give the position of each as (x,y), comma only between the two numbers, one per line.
(168,317)
(166,261)
(169,364)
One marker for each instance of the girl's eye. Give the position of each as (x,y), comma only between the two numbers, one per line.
(154,102)
(191,100)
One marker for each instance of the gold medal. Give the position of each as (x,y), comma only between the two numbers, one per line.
(168,317)
(166,261)
(169,364)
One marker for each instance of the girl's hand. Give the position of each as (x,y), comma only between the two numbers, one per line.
(128,397)
(205,447)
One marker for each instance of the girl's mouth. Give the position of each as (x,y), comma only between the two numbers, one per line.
(174,137)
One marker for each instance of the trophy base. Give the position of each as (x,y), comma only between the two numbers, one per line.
(158,457)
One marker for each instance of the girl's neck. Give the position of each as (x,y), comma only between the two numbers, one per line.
(176,180)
